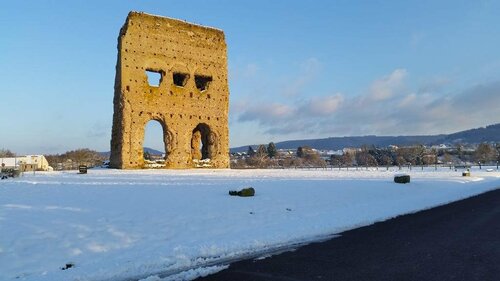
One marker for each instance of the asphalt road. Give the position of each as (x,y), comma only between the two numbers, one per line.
(458,241)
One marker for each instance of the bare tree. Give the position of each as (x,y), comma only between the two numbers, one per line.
(262,151)
(336,160)
(429,159)
(484,153)
(400,161)
(386,160)
(364,158)
(459,148)
(497,147)
(6,153)
(347,159)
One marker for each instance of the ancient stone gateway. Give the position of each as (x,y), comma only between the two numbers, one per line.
(190,99)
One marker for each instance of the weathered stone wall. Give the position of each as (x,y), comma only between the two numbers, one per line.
(191,101)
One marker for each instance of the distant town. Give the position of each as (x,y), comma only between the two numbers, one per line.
(368,156)
(458,152)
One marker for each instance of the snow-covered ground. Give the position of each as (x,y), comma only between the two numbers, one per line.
(121,225)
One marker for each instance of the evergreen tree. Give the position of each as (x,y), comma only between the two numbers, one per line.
(250,151)
(271,150)
(300,152)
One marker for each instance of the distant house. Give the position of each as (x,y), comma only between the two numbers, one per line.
(440,147)
(26,163)
(393,147)
(350,150)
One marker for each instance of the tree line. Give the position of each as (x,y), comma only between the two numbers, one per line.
(72,159)
(418,155)
(269,157)
(369,156)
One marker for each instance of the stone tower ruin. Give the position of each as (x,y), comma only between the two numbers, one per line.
(190,99)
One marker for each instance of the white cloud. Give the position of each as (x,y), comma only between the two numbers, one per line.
(387,86)
(387,108)
(267,113)
(408,100)
(322,106)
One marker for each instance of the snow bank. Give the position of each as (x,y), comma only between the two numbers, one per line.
(116,225)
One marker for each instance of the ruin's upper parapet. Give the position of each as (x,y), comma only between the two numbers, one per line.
(154,21)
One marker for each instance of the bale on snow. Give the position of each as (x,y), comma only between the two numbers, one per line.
(245,192)
(403,178)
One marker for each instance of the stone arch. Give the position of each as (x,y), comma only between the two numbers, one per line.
(202,142)
(167,136)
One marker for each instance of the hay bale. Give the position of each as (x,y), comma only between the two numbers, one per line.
(245,192)
(403,178)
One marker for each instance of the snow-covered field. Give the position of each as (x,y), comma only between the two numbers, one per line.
(121,225)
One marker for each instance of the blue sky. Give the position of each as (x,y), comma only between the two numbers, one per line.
(297,69)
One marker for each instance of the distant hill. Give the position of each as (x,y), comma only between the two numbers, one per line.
(153,151)
(488,134)
(146,149)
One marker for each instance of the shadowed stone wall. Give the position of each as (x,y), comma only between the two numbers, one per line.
(190,100)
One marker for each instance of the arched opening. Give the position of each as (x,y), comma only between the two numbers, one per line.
(202,144)
(155,144)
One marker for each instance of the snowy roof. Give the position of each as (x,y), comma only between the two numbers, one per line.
(28,159)
(9,162)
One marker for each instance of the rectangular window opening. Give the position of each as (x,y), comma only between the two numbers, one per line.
(180,79)
(154,77)
(202,82)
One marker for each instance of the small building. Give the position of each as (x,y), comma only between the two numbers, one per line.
(26,163)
